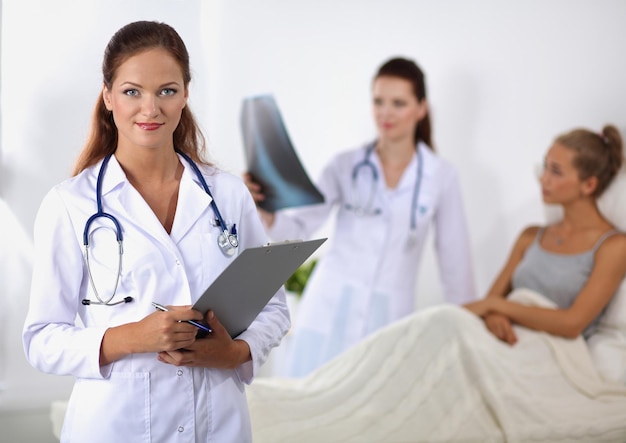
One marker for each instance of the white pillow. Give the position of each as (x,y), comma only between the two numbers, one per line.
(608,344)
(612,203)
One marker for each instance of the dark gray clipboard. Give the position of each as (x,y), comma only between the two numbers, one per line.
(243,289)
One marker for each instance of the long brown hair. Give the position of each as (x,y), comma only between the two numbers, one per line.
(408,70)
(128,41)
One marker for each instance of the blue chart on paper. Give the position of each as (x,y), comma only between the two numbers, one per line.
(271,159)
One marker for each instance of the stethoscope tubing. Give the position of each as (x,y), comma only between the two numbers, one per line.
(366,162)
(227,241)
(100,212)
(205,186)
(118,235)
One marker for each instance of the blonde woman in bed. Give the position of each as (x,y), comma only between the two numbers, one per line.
(577,262)
(512,367)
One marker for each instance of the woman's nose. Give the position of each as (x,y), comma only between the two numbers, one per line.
(382,111)
(150,106)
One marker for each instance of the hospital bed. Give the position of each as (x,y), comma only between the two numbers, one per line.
(439,376)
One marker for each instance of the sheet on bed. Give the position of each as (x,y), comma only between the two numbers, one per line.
(440,376)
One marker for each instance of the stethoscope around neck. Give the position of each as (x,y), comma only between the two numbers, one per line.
(366,166)
(227,240)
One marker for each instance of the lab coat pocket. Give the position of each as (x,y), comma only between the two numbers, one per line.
(214,261)
(124,396)
(423,214)
(354,228)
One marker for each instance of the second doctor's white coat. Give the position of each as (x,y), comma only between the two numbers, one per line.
(366,278)
(138,398)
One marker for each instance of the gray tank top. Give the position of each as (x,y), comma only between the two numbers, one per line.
(559,277)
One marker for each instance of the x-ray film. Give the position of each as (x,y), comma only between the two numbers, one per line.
(271,158)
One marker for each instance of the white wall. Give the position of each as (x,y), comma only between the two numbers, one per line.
(504,78)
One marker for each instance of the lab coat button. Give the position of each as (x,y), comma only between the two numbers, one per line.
(181,429)
(177,262)
(179,372)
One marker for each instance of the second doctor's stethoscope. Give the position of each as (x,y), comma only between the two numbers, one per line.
(366,209)
(227,240)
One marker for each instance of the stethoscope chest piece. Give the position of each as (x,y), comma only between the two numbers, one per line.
(228,243)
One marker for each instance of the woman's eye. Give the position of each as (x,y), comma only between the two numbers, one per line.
(131,92)
(399,103)
(168,91)
(555,171)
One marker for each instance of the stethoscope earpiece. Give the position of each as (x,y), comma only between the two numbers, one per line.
(87,302)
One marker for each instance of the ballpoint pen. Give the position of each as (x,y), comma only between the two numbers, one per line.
(198,325)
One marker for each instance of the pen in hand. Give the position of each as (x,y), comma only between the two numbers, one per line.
(193,322)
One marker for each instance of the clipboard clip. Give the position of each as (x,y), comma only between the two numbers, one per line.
(284,242)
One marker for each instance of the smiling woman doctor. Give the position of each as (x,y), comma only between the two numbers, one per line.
(387,194)
(145,220)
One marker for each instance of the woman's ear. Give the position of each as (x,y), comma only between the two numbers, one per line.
(186,96)
(106,98)
(589,186)
(422,110)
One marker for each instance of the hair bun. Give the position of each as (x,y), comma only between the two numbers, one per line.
(613,140)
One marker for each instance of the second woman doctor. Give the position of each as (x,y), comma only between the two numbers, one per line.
(142,375)
(388,194)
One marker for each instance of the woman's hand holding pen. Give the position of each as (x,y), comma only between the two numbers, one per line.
(217,350)
(169,330)
(159,331)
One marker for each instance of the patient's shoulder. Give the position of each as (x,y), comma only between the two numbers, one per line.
(613,244)
(611,255)
(526,238)
(531,231)
(529,234)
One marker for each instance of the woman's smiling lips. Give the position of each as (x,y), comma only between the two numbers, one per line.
(149,126)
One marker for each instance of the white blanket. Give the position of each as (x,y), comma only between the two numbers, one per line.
(440,376)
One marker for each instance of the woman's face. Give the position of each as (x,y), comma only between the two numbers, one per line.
(396,109)
(560,182)
(147,97)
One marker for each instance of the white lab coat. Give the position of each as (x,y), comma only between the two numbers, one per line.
(366,278)
(139,398)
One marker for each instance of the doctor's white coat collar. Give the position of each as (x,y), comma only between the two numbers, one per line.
(407,181)
(192,200)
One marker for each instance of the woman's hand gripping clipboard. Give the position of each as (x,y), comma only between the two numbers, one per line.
(243,289)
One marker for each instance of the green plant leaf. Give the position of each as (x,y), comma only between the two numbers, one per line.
(298,280)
